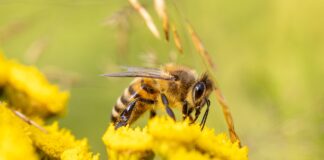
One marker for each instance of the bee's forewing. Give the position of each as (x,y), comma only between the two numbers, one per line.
(142,72)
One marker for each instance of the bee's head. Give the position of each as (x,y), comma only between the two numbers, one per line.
(201,90)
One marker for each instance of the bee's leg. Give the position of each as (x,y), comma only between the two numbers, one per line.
(185,110)
(125,115)
(166,104)
(152,113)
(203,121)
(190,110)
(197,113)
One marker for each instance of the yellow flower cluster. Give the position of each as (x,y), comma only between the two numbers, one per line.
(167,139)
(127,143)
(27,90)
(14,143)
(60,143)
(18,140)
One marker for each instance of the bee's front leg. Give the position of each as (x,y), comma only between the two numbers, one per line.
(197,113)
(186,111)
(167,108)
(125,115)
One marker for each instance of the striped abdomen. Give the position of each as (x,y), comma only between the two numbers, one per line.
(144,90)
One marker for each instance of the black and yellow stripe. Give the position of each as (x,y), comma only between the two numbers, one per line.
(144,90)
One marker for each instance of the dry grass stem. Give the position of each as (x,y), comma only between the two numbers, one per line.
(173,56)
(166,27)
(204,53)
(120,20)
(161,11)
(200,46)
(29,121)
(146,16)
(150,59)
(10,30)
(120,17)
(35,50)
(228,117)
(176,39)
(64,78)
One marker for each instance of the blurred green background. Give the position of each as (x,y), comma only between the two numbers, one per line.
(269,56)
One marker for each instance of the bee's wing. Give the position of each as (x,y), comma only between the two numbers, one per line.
(142,72)
(141,69)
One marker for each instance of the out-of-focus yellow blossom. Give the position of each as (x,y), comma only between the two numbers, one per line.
(14,143)
(60,143)
(19,140)
(3,70)
(27,90)
(167,139)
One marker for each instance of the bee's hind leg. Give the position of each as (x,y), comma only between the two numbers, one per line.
(167,108)
(125,115)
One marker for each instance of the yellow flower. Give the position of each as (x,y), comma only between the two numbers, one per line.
(3,70)
(60,143)
(78,153)
(127,143)
(19,140)
(27,89)
(166,139)
(14,143)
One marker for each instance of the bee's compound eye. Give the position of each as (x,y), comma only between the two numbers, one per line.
(199,90)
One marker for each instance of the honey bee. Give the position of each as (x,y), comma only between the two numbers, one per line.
(172,86)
